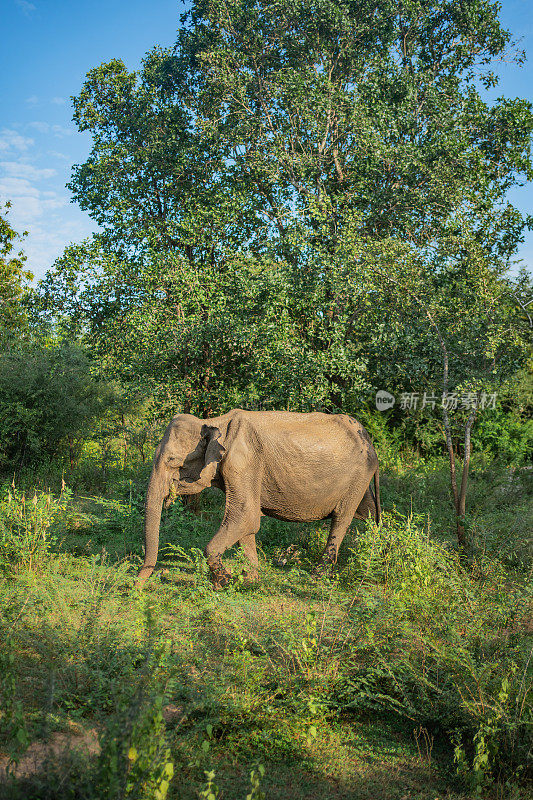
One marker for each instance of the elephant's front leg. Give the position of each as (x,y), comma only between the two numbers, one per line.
(240,523)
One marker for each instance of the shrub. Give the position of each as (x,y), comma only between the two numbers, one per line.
(506,436)
(47,398)
(440,644)
(25,523)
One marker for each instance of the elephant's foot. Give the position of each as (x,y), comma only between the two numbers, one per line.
(249,577)
(220,576)
(220,582)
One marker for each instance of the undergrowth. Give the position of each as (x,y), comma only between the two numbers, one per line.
(408,666)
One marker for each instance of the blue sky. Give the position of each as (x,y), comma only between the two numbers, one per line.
(48,47)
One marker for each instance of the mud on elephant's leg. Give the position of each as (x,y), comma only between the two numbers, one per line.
(327,562)
(234,528)
(220,576)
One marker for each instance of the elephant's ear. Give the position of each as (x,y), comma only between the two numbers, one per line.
(214,450)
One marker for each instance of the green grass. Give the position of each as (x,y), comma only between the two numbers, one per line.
(360,686)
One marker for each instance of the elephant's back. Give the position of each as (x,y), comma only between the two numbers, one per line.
(308,462)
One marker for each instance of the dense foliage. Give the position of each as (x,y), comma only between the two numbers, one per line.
(47,400)
(272,193)
(298,205)
(302,206)
(13,281)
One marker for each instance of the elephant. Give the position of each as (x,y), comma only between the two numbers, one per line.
(283,464)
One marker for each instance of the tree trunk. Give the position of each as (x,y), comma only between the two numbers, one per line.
(192,503)
(461,500)
(71,453)
(449,441)
(125,442)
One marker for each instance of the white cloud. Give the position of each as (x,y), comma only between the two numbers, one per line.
(58,101)
(32,177)
(51,221)
(28,201)
(61,130)
(44,127)
(32,100)
(42,246)
(12,140)
(18,169)
(48,238)
(26,7)
(57,154)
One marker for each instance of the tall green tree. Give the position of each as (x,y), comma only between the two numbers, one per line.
(152,181)
(244,180)
(467,338)
(13,280)
(375,105)
(182,290)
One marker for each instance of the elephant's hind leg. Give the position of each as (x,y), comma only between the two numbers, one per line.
(339,526)
(249,548)
(340,522)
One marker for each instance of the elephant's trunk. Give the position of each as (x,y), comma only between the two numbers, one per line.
(152,520)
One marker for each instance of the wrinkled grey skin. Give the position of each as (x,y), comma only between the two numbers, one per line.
(282,464)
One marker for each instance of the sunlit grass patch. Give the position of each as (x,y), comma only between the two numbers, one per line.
(325,680)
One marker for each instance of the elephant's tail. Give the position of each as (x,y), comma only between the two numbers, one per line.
(376,491)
